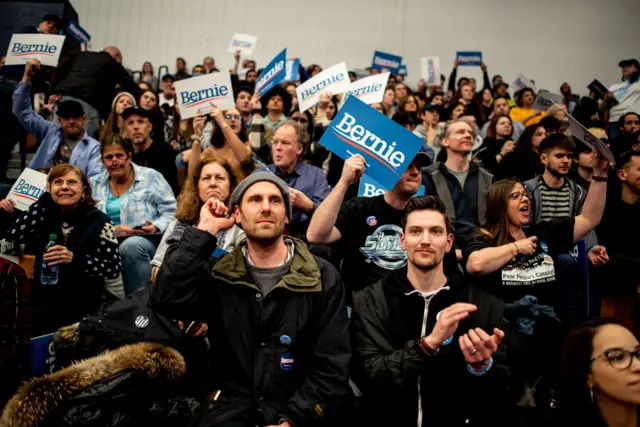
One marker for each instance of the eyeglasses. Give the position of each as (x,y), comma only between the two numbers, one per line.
(519,195)
(300,119)
(618,358)
(231,116)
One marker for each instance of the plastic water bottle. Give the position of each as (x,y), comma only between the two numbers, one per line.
(49,274)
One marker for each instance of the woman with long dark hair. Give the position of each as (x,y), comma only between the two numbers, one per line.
(147,75)
(599,384)
(148,100)
(515,261)
(524,112)
(497,144)
(523,162)
(114,124)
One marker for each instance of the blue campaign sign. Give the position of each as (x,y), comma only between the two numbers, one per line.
(293,70)
(469,59)
(369,188)
(387,147)
(77,31)
(403,70)
(42,355)
(272,74)
(386,61)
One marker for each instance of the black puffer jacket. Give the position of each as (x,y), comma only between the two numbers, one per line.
(388,363)
(286,354)
(135,385)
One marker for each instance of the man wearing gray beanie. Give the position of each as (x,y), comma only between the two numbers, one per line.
(277,317)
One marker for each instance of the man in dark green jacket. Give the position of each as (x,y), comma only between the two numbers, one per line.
(427,348)
(278,324)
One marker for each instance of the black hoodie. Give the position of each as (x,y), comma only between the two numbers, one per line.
(388,362)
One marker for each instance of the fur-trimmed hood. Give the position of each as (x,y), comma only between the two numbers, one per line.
(38,397)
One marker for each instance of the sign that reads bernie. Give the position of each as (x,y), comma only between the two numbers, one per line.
(370,188)
(196,94)
(369,90)
(469,59)
(430,69)
(272,74)
(386,62)
(28,188)
(45,48)
(243,43)
(334,80)
(387,147)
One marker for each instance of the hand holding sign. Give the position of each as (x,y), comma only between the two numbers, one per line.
(30,68)
(255,104)
(216,114)
(600,164)
(353,169)
(323,102)
(198,124)
(7,205)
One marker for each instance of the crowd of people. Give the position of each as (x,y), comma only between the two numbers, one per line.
(228,261)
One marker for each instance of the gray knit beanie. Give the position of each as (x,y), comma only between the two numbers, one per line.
(259,176)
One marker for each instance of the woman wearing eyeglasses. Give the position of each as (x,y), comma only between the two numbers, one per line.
(229,141)
(599,383)
(515,261)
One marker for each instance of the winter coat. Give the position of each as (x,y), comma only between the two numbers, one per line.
(399,381)
(134,385)
(285,354)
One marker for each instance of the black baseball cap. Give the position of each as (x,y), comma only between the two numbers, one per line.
(135,111)
(70,109)
(423,159)
(55,19)
(500,83)
(168,76)
(628,62)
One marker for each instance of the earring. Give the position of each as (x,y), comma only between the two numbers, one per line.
(591,394)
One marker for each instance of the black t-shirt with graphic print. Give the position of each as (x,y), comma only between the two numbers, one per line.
(370,242)
(528,274)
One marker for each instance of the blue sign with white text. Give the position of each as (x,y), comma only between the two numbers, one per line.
(293,70)
(469,59)
(387,147)
(273,73)
(77,31)
(403,70)
(386,61)
(42,355)
(370,188)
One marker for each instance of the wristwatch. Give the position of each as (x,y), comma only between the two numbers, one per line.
(425,347)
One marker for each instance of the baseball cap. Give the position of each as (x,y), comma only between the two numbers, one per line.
(501,83)
(70,109)
(168,76)
(135,111)
(629,62)
(423,159)
(432,107)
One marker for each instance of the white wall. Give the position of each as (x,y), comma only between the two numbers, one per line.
(551,41)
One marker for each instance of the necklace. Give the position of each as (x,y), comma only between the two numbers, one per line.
(114,187)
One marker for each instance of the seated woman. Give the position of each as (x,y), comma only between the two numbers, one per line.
(524,112)
(497,144)
(211,178)
(140,203)
(114,123)
(515,261)
(85,251)
(148,100)
(599,376)
(229,142)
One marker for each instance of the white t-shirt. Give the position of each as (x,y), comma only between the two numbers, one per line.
(628,97)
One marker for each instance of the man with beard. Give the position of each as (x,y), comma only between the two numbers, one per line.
(426,345)
(277,317)
(62,142)
(160,157)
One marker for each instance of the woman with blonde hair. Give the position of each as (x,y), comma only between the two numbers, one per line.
(114,124)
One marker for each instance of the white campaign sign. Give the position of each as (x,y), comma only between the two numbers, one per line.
(521,82)
(28,189)
(544,100)
(45,48)
(430,69)
(196,94)
(583,134)
(242,42)
(369,90)
(334,80)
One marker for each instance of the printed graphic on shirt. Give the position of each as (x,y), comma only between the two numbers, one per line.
(383,248)
(529,271)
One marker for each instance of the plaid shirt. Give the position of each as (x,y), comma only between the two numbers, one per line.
(149,198)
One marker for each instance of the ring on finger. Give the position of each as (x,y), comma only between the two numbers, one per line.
(474,351)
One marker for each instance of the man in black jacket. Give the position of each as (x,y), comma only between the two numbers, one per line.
(426,346)
(92,78)
(278,325)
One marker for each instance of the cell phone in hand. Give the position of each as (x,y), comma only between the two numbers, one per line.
(192,328)
(138,227)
